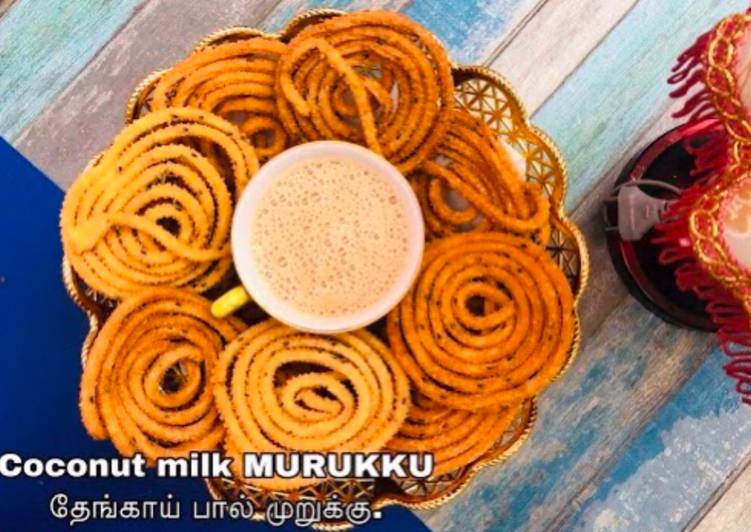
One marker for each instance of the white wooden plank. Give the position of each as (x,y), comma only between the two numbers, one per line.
(732,512)
(553,43)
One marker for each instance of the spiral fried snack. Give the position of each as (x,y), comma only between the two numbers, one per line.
(234,80)
(145,381)
(373,77)
(153,210)
(280,390)
(489,321)
(455,437)
(472,162)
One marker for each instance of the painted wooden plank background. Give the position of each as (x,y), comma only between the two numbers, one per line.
(691,446)
(594,73)
(731,512)
(89,106)
(43,45)
(553,43)
(599,117)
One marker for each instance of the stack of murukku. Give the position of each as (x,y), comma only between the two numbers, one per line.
(234,80)
(487,325)
(281,390)
(472,182)
(375,78)
(153,210)
(505,351)
(145,383)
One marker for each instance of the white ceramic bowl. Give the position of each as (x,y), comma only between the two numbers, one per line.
(245,213)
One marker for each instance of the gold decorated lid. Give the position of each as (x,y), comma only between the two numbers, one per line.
(720,228)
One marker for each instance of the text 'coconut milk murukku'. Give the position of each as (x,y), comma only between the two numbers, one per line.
(145,383)
(376,78)
(454,437)
(281,390)
(234,80)
(489,321)
(154,210)
(471,162)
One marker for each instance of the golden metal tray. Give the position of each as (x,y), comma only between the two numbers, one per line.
(489,96)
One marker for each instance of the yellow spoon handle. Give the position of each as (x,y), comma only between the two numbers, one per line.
(230,301)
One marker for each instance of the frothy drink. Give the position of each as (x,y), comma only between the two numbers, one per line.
(330,236)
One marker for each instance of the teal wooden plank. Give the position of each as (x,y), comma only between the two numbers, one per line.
(685,454)
(44,45)
(471,29)
(601,110)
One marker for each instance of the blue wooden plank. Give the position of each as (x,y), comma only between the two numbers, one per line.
(470,29)
(688,450)
(43,45)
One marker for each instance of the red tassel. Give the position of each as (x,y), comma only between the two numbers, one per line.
(695,102)
(693,55)
(696,78)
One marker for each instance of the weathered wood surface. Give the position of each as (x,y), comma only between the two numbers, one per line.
(631,363)
(548,47)
(91,106)
(681,460)
(5,6)
(91,109)
(732,512)
(43,45)
(594,74)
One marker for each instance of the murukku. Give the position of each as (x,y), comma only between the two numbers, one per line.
(281,390)
(234,80)
(471,162)
(489,321)
(454,437)
(376,78)
(154,210)
(145,382)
